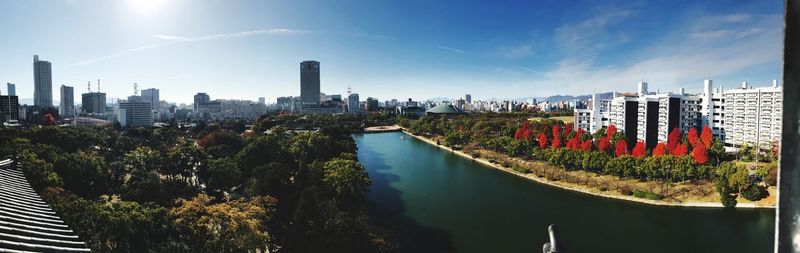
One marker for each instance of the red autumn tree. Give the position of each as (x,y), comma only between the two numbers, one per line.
(604,144)
(660,149)
(542,140)
(579,133)
(610,131)
(556,143)
(680,150)
(707,137)
(523,132)
(700,154)
(692,136)
(567,129)
(49,119)
(639,150)
(573,143)
(673,139)
(586,145)
(622,148)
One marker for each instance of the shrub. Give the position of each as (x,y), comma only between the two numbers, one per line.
(521,169)
(625,191)
(754,193)
(728,201)
(647,195)
(603,188)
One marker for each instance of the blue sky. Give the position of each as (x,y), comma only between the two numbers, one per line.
(390,49)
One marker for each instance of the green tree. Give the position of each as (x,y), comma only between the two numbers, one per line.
(346,179)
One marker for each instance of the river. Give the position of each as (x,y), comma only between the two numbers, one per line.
(440,202)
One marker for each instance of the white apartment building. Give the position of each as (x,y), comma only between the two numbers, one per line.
(753,115)
(738,116)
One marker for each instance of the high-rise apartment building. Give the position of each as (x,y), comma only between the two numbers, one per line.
(12,89)
(66,107)
(42,83)
(151,95)
(753,116)
(309,84)
(739,116)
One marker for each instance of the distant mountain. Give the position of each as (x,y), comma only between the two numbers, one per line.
(559,98)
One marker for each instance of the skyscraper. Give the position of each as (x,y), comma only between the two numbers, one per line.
(67,105)
(151,95)
(42,83)
(200,98)
(468,98)
(353,105)
(262,100)
(309,83)
(12,89)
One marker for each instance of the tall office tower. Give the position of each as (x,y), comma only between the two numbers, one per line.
(353,105)
(151,95)
(135,113)
(12,89)
(93,102)
(262,100)
(309,83)
(67,104)
(43,83)
(468,98)
(200,98)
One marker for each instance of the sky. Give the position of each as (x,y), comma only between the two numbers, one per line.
(416,49)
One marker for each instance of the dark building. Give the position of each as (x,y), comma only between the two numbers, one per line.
(309,84)
(201,98)
(9,108)
(93,102)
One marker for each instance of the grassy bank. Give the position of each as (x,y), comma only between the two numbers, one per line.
(698,193)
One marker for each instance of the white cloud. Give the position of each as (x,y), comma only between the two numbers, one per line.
(451,49)
(173,40)
(675,61)
(516,51)
(593,34)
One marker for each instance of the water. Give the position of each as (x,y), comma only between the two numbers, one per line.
(441,202)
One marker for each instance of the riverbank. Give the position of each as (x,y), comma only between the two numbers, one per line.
(598,190)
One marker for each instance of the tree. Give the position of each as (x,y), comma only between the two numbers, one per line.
(586,145)
(223,174)
(673,140)
(347,179)
(143,158)
(660,149)
(542,140)
(234,226)
(707,137)
(142,186)
(556,143)
(604,145)
(680,150)
(621,148)
(692,137)
(612,129)
(83,174)
(573,144)
(49,119)
(700,154)
(639,150)
(38,171)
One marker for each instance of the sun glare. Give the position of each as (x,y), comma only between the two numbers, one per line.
(146,7)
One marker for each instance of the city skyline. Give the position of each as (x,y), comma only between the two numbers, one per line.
(551,50)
